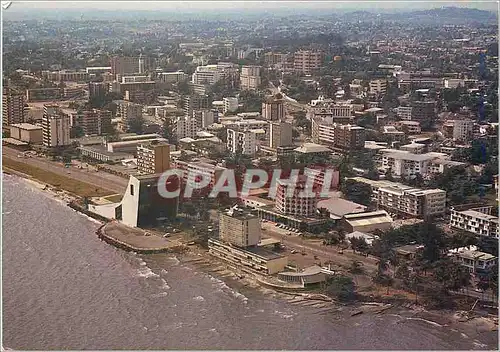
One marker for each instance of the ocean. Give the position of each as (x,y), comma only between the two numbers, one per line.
(63,288)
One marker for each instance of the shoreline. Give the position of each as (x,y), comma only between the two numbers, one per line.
(199,257)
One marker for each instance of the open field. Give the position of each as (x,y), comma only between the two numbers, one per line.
(71,185)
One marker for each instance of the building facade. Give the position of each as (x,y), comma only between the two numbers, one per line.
(476,220)
(273,108)
(55,127)
(244,141)
(412,201)
(153,158)
(306,61)
(280,134)
(239,228)
(302,201)
(12,107)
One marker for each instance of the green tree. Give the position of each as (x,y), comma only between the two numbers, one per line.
(357,192)
(341,288)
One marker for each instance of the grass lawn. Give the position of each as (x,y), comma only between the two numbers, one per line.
(71,185)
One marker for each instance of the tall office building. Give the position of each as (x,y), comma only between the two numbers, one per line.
(194,102)
(130,64)
(12,107)
(280,134)
(273,108)
(55,127)
(98,90)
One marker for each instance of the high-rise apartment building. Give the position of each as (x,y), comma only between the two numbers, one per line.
(243,141)
(194,102)
(412,201)
(94,122)
(12,107)
(423,111)
(338,136)
(306,61)
(239,228)
(250,77)
(298,199)
(55,127)
(153,158)
(230,104)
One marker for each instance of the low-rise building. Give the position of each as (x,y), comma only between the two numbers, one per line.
(26,132)
(478,221)
(475,261)
(367,222)
(412,201)
(254,259)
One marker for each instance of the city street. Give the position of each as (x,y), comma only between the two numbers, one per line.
(101,179)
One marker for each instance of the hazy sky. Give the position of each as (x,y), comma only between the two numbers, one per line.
(214,5)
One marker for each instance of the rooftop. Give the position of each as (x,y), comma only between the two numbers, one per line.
(479,215)
(341,207)
(26,126)
(312,148)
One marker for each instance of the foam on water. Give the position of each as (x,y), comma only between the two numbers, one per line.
(199,298)
(146,272)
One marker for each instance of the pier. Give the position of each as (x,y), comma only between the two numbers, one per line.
(135,239)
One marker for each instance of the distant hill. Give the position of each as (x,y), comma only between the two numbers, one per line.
(457,13)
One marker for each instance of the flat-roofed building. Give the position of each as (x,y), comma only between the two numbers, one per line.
(280,134)
(412,201)
(55,127)
(273,108)
(478,221)
(367,222)
(252,259)
(306,61)
(475,261)
(297,199)
(12,107)
(239,227)
(338,136)
(26,132)
(94,122)
(153,157)
(241,140)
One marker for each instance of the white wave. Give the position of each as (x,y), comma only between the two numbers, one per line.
(425,320)
(146,272)
(163,271)
(222,286)
(478,344)
(161,294)
(6,213)
(199,298)
(175,260)
(164,285)
(285,315)
(464,336)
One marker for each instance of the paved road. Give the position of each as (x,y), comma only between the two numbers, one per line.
(329,253)
(101,179)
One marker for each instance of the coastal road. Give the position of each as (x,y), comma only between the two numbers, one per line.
(102,179)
